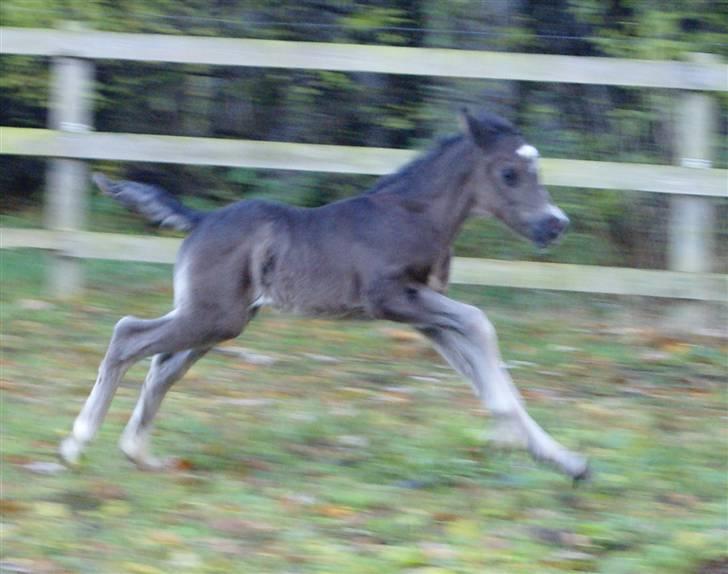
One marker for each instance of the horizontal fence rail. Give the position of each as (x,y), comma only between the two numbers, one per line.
(363,58)
(467,271)
(72,140)
(338,159)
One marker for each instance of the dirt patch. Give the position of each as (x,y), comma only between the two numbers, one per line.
(717,566)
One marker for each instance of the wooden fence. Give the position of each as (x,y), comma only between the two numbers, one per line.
(693,184)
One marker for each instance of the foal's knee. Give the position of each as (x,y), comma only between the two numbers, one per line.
(475,323)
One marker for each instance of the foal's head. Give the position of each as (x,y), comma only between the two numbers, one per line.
(506,180)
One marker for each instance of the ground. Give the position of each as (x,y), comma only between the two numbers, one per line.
(309,446)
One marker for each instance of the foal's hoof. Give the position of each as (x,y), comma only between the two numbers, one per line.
(584,476)
(69,451)
(577,468)
(569,463)
(137,451)
(154,464)
(149,463)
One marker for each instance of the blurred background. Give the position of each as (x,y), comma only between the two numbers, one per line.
(577,121)
(312,446)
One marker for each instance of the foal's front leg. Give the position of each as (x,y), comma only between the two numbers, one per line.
(473,352)
(467,340)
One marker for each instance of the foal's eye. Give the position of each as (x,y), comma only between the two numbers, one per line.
(510,176)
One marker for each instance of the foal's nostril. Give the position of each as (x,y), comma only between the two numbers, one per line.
(549,228)
(558,225)
(565,222)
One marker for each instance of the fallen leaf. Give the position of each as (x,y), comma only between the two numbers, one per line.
(116,508)
(654,356)
(572,559)
(353,441)
(463,529)
(16,566)
(438,551)
(136,568)
(717,566)
(164,538)
(44,467)
(404,555)
(8,506)
(248,402)
(403,336)
(182,464)
(298,499)
(392,398)
(34,305)
(334,511)
(223,546)
(246,355)
(321,358)
(238,526)
(679,499)
(107,491)
(676,348)
(445,516)
(185,560)
(546,535)
(51,510)
(563,348)
(424,379)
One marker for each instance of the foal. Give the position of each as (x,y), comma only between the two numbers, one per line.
(384,254)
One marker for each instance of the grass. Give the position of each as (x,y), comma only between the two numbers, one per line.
(357,451)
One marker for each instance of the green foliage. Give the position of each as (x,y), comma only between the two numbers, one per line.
(573,121)
(654,30)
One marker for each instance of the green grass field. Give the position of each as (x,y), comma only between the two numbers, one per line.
(310,446)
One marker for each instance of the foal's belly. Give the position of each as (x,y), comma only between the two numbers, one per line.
(313,288)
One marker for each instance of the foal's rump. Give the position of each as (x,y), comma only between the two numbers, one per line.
(221,263)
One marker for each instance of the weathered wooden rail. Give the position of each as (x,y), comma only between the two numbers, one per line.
(469,271)
(340,159)
(70,141)
(91,44)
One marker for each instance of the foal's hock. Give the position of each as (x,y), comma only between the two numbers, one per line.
(384,254)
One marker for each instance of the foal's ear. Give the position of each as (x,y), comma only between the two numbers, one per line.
(484,131)
(466,120)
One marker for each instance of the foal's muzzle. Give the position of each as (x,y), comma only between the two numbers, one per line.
(548,228)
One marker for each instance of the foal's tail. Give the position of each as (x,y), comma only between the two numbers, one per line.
(150,201)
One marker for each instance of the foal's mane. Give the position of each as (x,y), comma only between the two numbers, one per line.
(485,129)
(404,178)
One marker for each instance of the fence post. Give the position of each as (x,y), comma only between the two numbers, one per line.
(691,231)
(67,179)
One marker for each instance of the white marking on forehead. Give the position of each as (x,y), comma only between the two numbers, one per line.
(527,151)
(531,154)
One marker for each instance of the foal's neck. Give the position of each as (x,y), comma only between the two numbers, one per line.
(449,193)
(437,185)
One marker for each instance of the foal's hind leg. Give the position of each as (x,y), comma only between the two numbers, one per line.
(134,339)
(166,369)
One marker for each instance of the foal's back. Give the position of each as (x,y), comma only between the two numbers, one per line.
(314,261)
